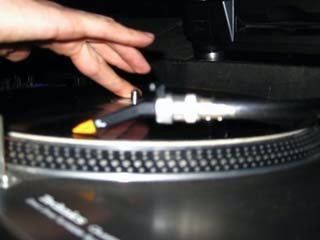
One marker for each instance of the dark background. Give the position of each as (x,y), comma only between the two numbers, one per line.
(269,75)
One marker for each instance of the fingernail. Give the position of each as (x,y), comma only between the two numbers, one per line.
(8,51)
(149,35)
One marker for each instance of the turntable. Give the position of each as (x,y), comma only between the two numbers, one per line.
(140,179)
(186,162)
(188,138)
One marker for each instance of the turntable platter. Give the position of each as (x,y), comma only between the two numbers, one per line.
(42,143)
(58,121)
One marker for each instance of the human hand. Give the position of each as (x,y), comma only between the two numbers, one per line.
(91,41)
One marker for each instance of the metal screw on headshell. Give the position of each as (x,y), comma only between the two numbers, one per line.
(135,95)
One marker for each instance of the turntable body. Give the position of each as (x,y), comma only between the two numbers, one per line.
(277,205)
(224,180)
(219,180)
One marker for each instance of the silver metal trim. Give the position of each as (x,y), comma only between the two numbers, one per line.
(190,108)
(2,150)
(163,110)
(6,180)
(144,145)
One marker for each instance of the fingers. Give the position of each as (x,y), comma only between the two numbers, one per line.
(124,57)
(15,55)
(111,56)
(6,51)
(133,57)
(46,21)
(90,63)
(79,24)
(18,55)
(91,59)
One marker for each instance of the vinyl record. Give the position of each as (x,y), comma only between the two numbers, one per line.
(41,142)
(58,121)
